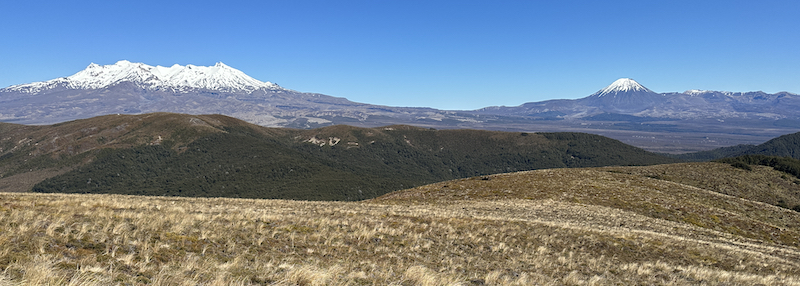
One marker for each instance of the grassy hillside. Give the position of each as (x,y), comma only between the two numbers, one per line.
(640,194)
(757,182)
(217,156)
(598,226)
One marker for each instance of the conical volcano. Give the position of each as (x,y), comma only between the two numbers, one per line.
(623,95)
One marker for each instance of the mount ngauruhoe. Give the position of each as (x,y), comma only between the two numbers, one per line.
(625,110)
(627,97)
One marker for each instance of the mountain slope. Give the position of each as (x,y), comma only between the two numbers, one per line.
(136,88)
(783,146)
(625,110)
(623,96)
(627,97)
(756,183)
(174,154)
(177,78)
(635,192)
(565,226)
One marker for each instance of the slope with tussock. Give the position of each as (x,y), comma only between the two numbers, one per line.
(759,183)
(642,195)
(546,227)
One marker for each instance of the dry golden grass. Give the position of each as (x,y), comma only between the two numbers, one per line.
(549,227)
(762,183)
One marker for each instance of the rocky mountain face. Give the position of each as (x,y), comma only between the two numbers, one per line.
(625,110)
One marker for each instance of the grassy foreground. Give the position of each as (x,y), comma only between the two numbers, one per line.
(546,227)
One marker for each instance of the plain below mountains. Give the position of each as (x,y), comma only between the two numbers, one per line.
(219,156)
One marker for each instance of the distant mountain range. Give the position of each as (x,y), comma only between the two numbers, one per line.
(136,88)
(625,110)
(627,97)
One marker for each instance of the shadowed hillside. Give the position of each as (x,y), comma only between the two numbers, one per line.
(218,156)
(783,146)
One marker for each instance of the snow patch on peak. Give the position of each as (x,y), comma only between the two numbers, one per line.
(219,77)
(623,85)
(696,92)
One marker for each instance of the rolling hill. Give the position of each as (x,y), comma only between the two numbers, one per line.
(650,225)
(784,146)
(219,156)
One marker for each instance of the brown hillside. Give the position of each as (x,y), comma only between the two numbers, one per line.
(607,188)
(548,227)
(762,183)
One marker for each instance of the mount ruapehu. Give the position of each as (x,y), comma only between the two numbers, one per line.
(625,110)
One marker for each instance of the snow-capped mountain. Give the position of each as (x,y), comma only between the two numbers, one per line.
(132,88)
(622,107)
(627,97)
(177,78)
(624,95)
(623,85)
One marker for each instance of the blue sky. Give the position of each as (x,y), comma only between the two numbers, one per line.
(442,54)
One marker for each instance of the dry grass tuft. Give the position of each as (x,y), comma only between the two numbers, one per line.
(550,227)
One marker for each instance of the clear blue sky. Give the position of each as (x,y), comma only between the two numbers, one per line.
(442,54)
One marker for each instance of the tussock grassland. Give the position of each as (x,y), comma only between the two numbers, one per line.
(547,227)
(760,183)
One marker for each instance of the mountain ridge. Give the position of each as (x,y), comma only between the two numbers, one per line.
(697,120)
(628,97)
(219,77)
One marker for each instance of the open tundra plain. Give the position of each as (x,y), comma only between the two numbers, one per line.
(592,226)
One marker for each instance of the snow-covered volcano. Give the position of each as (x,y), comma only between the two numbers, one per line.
(622,85)
(623,96)
(176,78)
